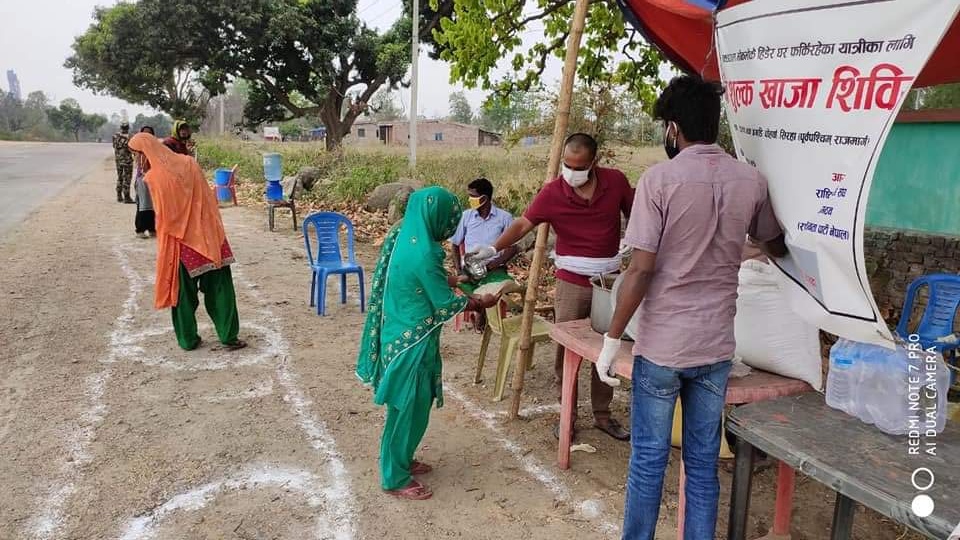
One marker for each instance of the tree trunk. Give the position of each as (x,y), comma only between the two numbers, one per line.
(334,137)
(76,135)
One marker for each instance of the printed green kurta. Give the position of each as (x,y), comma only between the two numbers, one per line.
(400,349)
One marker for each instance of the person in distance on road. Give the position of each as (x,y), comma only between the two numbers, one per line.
(145,221)
(192,249)
(124,163)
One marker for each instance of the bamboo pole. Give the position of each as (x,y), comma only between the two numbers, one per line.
(553,165)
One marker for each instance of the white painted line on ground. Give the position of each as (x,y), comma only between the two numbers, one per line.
(199,361)
(590,509)
(145,527)
(340,502)
(47,523)
(535,410)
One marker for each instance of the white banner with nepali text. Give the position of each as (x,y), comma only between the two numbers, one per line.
(812,88)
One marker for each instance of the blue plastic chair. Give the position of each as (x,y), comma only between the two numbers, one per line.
(329,260)
(938,316)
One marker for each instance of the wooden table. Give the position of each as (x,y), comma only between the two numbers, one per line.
(582,343)
(858,461)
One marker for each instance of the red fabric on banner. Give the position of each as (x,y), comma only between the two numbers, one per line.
(684,33)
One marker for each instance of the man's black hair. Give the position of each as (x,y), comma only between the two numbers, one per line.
(694,104)
(582,140)
(482,186)
(145,128)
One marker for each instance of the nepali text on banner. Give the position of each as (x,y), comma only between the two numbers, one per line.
(812,88)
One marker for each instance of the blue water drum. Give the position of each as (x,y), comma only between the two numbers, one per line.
(274,190)
(221,178)
(272,169)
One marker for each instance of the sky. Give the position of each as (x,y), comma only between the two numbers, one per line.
(36,35)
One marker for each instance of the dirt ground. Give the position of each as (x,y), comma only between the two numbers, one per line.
(108,430)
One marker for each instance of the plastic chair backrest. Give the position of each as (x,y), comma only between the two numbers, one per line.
(327,232)
(495,316)
(938,317)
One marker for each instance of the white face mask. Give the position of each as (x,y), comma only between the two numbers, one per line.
(574,178)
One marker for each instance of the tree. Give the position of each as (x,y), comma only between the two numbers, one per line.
(315,49)
(945,96)
(475,36)
(234,100)
(460,110)
(141,53)
(518,110)
(70,118)
(162,124)
(13,116)
(383,107)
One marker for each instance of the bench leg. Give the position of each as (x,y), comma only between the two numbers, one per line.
(842,528)
(568,405)
(784,505)
(740,492)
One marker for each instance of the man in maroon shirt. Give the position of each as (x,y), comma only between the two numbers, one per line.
(583,205)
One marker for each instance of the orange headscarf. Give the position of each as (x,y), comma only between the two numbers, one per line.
(187,213)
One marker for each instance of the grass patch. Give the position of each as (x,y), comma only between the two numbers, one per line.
(350,176)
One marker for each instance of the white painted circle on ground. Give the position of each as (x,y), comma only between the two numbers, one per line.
(922,506)
(300,481)
(137,347)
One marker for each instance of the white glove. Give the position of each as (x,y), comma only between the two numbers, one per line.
(481,253)
(608,354)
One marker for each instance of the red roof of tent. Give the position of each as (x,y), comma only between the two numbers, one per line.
(683,32)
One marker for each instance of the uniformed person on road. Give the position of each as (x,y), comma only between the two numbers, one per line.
(124,163)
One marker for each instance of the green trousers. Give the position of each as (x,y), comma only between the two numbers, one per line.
(218,297)
(402,434)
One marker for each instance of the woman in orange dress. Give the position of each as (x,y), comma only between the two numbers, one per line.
(192,249)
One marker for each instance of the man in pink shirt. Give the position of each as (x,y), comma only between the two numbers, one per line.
(690,218)
(583,205)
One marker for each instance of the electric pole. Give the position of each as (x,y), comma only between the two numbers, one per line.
(414,58)
(222,103)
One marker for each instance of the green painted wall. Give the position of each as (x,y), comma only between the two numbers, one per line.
(917,181)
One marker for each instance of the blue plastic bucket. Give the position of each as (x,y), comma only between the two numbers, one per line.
(272,169)
(221,178)
(274,191)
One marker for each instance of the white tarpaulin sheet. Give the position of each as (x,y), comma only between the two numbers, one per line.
(812,88)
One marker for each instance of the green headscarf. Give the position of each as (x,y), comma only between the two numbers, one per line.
(176,128)
(410,296)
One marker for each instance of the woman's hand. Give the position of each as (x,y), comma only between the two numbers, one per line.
(454,281)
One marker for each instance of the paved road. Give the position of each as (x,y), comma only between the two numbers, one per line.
(31,173)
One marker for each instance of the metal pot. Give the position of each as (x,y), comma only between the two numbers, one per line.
(630,332)
(601,305)
(475,270)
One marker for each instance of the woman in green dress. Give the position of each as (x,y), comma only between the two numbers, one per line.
(412,296)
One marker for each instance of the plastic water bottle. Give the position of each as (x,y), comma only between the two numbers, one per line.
(842,379)
(901,391)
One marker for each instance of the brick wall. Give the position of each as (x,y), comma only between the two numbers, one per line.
(895,258)
(451,135)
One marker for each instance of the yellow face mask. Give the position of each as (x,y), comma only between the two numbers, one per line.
(475,202)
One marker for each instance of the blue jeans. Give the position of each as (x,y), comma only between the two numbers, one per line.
(702,392)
